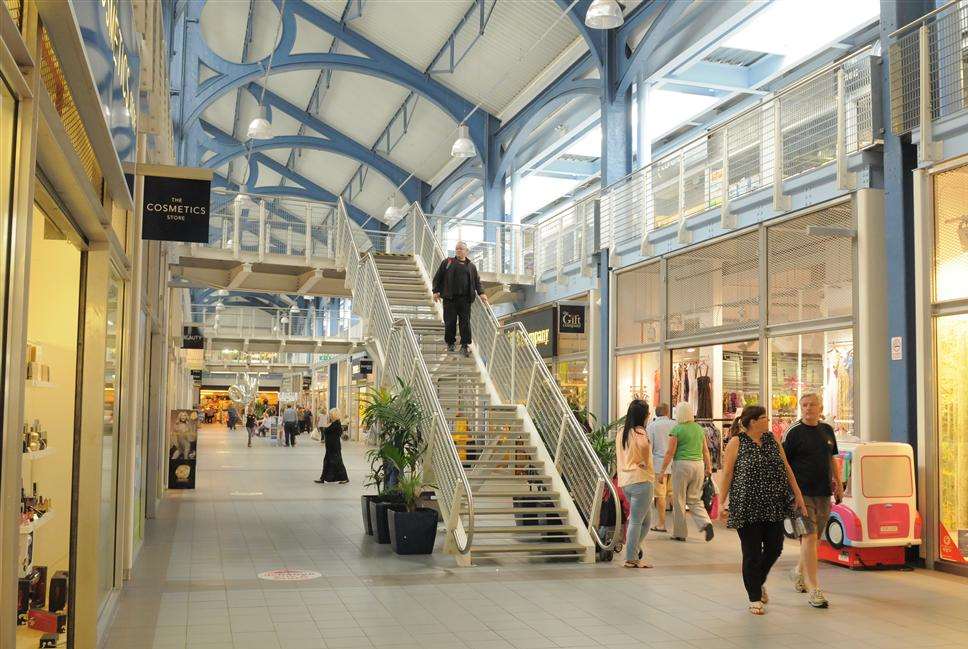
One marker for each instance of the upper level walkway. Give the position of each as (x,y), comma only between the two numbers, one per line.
(196,581)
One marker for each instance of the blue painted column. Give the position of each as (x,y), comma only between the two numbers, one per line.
(616,163)
(900,158)
(494,208)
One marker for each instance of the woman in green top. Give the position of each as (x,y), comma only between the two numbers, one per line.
(689,456)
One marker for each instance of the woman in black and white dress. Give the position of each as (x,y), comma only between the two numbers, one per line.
(760,487)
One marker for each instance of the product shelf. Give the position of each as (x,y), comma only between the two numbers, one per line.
(39,455)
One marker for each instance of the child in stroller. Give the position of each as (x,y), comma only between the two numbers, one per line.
(608,528)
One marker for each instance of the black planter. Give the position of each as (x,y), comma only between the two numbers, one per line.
(378,518)
(412,532)
(365,506)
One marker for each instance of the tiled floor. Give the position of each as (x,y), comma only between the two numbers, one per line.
(196,585)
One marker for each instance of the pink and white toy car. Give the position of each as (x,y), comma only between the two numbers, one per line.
(878,517)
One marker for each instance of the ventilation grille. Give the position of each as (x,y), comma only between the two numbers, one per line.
(714,288)
(811,275)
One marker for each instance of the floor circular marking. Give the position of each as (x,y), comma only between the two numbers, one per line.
(289,574)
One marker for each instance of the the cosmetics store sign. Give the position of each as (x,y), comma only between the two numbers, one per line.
(175,209)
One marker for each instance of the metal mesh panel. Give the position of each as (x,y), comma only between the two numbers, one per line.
(951,235)
(811,276)
(948,59)
(714,288)
(60,95)
(808,123)
(639,309)
(665,191)
(625,205)
(858,104)
(905,83)
(750,147)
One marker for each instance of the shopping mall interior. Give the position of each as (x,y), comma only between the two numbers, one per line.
(488,324)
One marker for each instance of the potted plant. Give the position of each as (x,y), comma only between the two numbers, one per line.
(397,418)
(413,529)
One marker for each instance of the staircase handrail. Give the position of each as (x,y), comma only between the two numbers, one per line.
(574,457)
(370,302)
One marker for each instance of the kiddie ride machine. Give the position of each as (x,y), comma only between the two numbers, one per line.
(878,517)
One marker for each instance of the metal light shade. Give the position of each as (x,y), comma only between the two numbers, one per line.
(604,14)
(260,128)
(294,309)
(463,146)
(393,212)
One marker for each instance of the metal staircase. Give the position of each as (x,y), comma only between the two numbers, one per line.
(507,485)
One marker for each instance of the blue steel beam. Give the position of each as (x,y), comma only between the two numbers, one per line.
(374,61)
(454,60)
(470,168)
(594,38)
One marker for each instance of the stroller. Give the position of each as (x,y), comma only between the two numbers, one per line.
(608,528)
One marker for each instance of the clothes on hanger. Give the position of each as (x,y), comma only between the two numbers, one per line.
(704,390)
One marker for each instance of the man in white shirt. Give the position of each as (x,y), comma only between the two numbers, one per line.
(658,431)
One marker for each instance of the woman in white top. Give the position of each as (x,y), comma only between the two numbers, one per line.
(636,477)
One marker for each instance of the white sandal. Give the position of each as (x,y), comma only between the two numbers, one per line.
(757,608)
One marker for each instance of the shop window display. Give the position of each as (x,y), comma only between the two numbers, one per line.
(821,362)
(952,423)
(54,296)
(637,377)
(572,377)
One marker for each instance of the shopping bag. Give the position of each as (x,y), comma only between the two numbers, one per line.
(315,434)
(708,492)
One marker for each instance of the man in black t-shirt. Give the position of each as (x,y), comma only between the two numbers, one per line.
(457,283)
(811,447)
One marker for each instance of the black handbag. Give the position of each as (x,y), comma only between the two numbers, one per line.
(708,492)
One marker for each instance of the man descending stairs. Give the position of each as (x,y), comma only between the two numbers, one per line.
(518,511)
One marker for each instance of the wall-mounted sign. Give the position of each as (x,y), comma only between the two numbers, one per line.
(362,368)
(541,329)
(192,338)
(571,319)
(197,376)
(307,382)
(175,209)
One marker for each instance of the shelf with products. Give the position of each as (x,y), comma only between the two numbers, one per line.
(38,455)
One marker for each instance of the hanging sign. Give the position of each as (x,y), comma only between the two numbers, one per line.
(541,328)
(192,338)
(197,376)
(571,319)
(175,209)
(307,382)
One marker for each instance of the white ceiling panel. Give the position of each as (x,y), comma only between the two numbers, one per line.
(360,105)
(325,168)
(332,8)
(310,38)
(223,28)
(295,87)
(411,30)
(376,196)
(491,73)
(426,146)
(221,112)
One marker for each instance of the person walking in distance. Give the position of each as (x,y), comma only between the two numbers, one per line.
(456,282)
(250,425)
(758,483)
(290,425)
(636,477)
(333,468)
(689,456)
(811,447)
(658,431)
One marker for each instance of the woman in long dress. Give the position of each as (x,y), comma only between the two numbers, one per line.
(333,468)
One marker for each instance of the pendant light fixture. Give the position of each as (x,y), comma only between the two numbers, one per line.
(393,214)
(260,128)
(463,146)
(604,14)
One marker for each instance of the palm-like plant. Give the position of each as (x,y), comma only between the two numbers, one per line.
(602,438)
(398,419)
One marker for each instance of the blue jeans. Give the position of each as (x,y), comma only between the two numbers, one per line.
(640,516)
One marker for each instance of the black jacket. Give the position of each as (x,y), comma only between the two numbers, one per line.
(445,278)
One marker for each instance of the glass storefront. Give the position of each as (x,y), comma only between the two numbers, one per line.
(637,376)
(50,423)
(950,284)
(717,380)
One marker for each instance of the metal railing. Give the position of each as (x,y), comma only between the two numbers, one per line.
(565,237)
(521,377)
(928,60)
(400,357)
(815,122)
(256,322)
(494,246)
(254,227)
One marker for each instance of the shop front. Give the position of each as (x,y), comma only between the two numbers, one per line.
(761,317)
(560,334)
(941,245)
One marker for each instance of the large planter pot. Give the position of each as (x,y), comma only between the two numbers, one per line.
(412,532)
(378,518)
(365,506)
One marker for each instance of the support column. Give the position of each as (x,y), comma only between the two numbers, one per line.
(494,208)
(900,158)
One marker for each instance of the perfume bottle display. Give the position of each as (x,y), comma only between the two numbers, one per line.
(34,437)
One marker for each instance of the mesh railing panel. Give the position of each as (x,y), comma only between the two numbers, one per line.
(905,80)
(858,106)
(808,125)
(750,152)
(714,288)
(638,318)
(811,275)
(53,78)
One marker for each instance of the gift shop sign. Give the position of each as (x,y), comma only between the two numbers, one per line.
(571,319)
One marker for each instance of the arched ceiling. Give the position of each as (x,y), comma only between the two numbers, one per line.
(385,83)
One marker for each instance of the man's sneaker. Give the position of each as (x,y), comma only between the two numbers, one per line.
(451,347)
(797,577)
(465,351)
(817,600)
(709,532)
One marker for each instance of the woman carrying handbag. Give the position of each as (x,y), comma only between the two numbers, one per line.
(759,486)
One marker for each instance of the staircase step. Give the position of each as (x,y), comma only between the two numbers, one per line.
(539,548)
(518,511)
(502,492)
(510,478)
(524,529)
(493,447)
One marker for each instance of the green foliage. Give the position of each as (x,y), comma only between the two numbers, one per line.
(410,486)
(602,439)
(398,420)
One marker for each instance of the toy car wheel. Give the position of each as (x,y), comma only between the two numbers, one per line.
(834,533)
